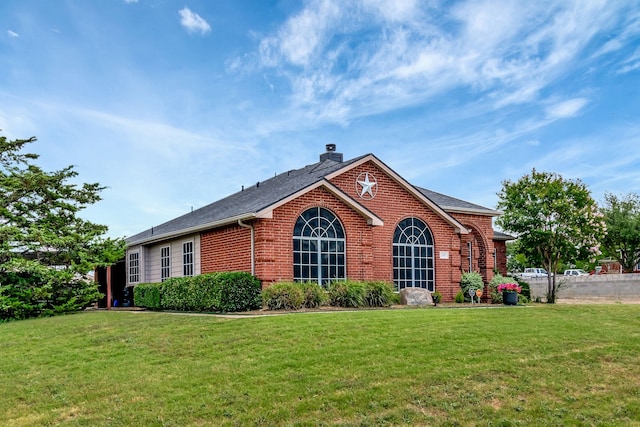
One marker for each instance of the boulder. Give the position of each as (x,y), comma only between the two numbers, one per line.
(415,296)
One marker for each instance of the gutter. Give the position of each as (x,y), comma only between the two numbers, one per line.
(253,245)
(184,231)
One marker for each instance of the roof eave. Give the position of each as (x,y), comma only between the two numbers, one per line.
(484,212)
(457,226)
(194,229)
(371,218)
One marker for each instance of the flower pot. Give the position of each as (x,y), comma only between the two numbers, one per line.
(510,298)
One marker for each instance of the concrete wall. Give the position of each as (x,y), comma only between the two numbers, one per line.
(612,287)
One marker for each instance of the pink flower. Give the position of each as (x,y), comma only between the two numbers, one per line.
(509,287)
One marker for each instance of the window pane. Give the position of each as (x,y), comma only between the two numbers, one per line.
(321,256)
(413,254)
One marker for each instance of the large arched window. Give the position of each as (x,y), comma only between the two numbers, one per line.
(318,247)
(413,264)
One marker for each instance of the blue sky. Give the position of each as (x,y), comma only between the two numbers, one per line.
(175,104)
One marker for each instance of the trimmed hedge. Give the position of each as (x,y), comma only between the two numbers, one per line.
(225,292)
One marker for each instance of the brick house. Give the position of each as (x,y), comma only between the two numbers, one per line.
(331,220)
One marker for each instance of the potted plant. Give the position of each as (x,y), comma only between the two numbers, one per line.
(436,297)
(509,292)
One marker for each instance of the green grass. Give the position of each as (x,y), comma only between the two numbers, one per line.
(543,365)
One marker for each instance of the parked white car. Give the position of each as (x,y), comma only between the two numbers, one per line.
(533,272)
(575,272)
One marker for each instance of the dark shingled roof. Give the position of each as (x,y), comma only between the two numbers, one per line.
(499,235)
(250,200)
(264,194)
(451,203)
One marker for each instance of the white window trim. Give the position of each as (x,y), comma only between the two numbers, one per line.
(165,263)
(188,265)
(137,267)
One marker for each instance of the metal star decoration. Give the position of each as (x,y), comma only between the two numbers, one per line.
(367,186)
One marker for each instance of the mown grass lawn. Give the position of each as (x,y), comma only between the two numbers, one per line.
(540,365)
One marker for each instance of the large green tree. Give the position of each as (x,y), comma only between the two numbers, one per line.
(622,242)
(556,221)
(46,248)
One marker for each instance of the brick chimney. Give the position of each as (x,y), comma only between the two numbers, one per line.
(331,154)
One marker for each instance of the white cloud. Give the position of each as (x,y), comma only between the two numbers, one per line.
(566,109)
(630,64)
(302,35)
(131,1)
(13,34)
(349,60)
(193,22)
(397,10)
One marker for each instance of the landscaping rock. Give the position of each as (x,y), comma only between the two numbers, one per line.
(415,296)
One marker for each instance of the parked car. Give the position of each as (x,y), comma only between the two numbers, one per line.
(533,272)
(575,272)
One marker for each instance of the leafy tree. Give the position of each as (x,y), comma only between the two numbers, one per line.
(46,249)
(516,260)
(622,242)
(556,221)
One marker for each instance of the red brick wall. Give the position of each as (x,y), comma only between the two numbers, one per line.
(482,246)
(501,255)
(226,249)
(393,204)
(274,237)
(368,248)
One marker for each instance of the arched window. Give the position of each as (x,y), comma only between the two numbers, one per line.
(413,264)
(318,247)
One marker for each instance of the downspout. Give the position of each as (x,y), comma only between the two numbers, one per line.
(253,245)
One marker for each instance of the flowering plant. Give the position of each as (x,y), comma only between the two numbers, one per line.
(509,287)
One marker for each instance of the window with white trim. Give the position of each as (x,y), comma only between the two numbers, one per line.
(187,259)
(470,257)
(413,261)
(165,263)
(318,247)
(134,267)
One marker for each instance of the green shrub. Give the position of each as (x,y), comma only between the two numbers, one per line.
(378,294)
(226,292)
(175,294)
(469,281)
(346,294)
(526,289)
(147,295)
(283,296)
(314,295)
(236,291)
(436,296)
(395,298)
(498,279)
(459,298)
(204,296)
(43,292)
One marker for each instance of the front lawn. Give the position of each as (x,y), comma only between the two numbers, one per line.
(542,365)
